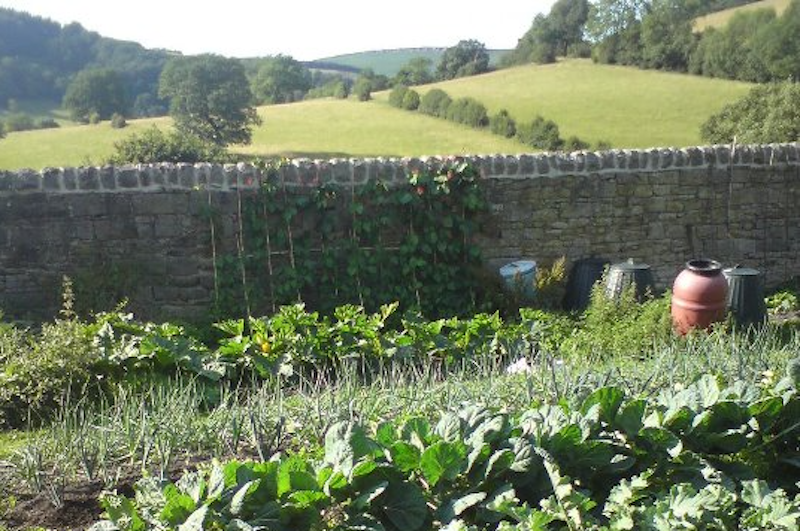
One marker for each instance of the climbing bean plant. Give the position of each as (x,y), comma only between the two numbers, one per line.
(368,244)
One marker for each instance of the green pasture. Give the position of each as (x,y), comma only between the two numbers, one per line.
(627,107)
(80,145)
(721,18)
(347,128)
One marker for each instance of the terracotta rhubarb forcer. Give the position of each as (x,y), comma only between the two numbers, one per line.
(699,296)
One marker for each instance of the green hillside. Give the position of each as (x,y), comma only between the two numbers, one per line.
(625,106)
(721,18)
(389,62)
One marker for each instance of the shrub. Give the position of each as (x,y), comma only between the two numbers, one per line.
(503,124)
(769,113)
(574,143)
(363,89)
(118,121)
(38,372)
(540,134)
(620,326)
(435,103)
(19,121)
(154,145)
(396,96)
(602,145)
(410,100)
(468,111)
(474,114)
(94,118)
(47,123)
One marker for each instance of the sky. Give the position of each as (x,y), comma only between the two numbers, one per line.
(303,29)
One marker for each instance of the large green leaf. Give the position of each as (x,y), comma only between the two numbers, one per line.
(456,506)
(449,427)
(443,460)
(404,506)
(196,521)
(405,456)
(345,444)
(630,418)
(178,505)
(607,399)
(767,412)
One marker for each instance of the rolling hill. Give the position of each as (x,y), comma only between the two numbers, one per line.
(720,18)
(627,107)
(389,62)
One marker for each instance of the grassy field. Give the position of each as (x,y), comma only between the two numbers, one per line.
(720,18)
(336,128)
(627,107)
(389,62)
(66,146)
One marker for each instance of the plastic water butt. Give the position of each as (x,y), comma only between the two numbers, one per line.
(520,277)
(746,296)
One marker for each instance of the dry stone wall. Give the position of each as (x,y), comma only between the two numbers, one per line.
(145,231)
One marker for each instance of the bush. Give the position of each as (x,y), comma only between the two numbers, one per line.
(435,103)
(47,123)
(118,121)
(769,113)
(468,111)
(19,121)
(410,100)
(363,89)
(574,143)
(38,372)
(620,326)
(540,134)
(154,145)
(94,118)
(503,124)
(396,96)
(602,145)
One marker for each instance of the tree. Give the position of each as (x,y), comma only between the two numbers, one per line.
(416,71)
(210,98)
(95,91)
(281,79)
(667,39)
(769,113)
(467,58)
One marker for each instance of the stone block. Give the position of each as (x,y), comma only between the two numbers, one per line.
(127,178)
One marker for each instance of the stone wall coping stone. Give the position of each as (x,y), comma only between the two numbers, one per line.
(303,172)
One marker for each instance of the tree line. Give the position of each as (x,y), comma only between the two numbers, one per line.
(756,46)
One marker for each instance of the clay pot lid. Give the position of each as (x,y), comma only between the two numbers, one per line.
(704,266)
(737,271)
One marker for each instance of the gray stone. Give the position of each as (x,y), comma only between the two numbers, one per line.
(542,165)
(108,180)
(128,178)
(527,165)
(51,179)
(510,166)
(27,181)
(187,177)
(89,179)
